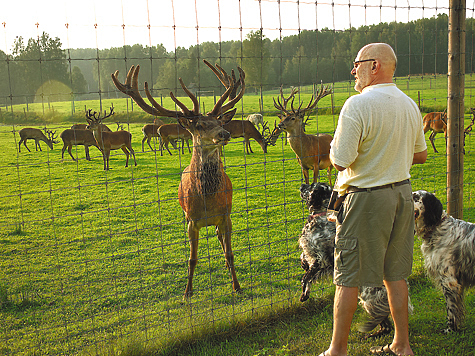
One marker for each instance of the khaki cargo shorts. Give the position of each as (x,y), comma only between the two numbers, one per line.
(375,237)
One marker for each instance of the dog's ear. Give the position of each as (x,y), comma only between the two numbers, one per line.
(432,209)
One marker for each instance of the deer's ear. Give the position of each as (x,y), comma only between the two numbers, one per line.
(183,122)
(226,117)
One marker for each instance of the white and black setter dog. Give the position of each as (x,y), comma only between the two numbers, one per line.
(317,242)
(448,247)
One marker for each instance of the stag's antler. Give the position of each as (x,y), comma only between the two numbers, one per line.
(131,89)
(283,106)
(231,86)
(94,116)
(51,135)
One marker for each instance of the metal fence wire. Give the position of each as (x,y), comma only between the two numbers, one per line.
(92,257)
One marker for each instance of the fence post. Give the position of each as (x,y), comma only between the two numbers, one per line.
(455,107)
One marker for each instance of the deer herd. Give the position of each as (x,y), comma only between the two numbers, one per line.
(205,190)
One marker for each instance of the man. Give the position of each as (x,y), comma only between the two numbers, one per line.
(378,137)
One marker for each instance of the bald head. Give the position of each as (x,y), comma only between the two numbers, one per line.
(383,53)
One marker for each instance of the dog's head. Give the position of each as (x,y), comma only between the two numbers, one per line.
(427,209)
(316,196)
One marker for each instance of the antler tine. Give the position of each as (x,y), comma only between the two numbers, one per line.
(196,105)
(218,74)
(229,105)
(324,91)
(163,111)
(131,89)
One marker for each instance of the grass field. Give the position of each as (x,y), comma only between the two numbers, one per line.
(95,262)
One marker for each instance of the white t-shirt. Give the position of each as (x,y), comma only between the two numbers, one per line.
(377,134)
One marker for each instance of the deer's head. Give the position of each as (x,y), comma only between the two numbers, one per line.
(292,119)
(95,119)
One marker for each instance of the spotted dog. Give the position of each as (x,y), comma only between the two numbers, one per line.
(448,247)
(317,242)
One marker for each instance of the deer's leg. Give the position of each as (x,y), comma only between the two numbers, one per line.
(305,175)
(166,146)
(24,144)
(224,235)
(70,146)
(37,144)
(149,145)
(63,149)
(316,173)
(126,154)
(248,144)
(188,145)
(162,143)
(105,156)
(431,139)
(143,141)
(131,150)
(86,150)
(193,235)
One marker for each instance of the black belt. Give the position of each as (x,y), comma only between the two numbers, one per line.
(391,185)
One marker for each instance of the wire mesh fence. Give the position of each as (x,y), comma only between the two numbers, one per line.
(93,257)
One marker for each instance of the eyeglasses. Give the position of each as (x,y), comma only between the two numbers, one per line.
(355,63)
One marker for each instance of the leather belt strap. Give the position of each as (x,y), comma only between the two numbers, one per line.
(391,185)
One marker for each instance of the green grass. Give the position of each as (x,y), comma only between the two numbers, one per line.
(96,262)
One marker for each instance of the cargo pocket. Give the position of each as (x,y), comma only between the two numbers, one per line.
(346,254)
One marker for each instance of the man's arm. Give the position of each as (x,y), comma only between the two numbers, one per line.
(419,157)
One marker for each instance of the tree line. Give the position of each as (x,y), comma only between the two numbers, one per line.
(305,58)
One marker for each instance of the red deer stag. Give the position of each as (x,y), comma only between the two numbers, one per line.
(79,135)
(108,141)
(169,133)
(435,122)
(37,135)
(205,191)
(149,131)
(313,151)
(244,128)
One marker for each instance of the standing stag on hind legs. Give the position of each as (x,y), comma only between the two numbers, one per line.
(205,191)
(313,151)
(435,122)
(107,141)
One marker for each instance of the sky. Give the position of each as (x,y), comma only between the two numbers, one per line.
(114,23)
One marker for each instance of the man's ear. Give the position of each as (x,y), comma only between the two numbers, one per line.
(375,66)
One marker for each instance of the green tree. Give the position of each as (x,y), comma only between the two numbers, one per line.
(255,59)
(79,84)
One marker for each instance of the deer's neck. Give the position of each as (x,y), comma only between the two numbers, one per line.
(206,162)
(297,141)
(97,132)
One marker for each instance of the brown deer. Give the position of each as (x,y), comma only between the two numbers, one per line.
(37,135)
(149,131)
(244,128)
(435,122)
(79,135)
(107,141)
(313,151)
(171,132)
(205,191)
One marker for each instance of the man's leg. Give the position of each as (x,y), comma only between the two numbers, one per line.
(398,299)
(346,301)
